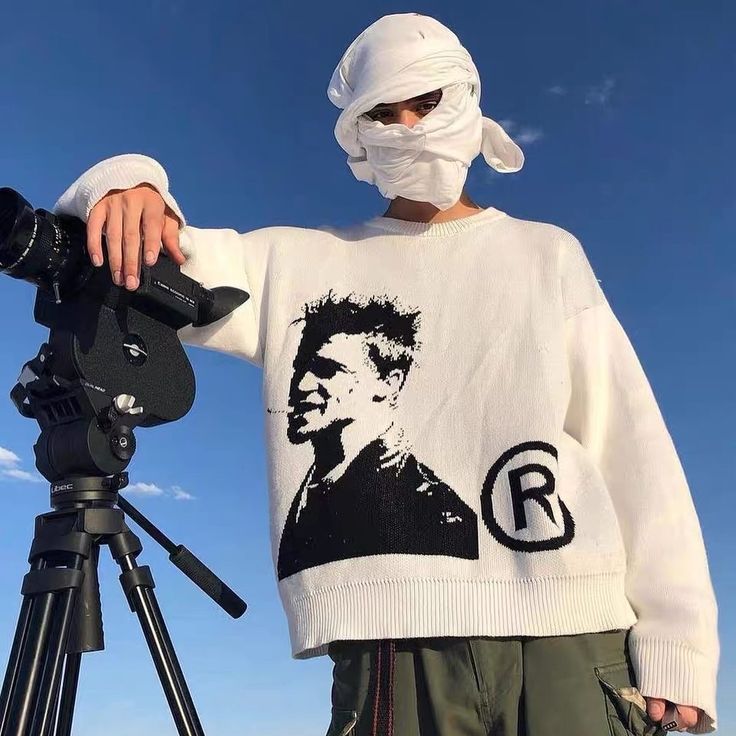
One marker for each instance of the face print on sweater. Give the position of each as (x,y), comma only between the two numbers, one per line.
(365,492)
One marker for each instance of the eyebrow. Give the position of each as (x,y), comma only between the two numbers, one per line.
(426,96)
(321,360)
(419,98)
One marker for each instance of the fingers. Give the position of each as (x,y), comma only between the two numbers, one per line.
(132,210)
(655,708)
(686,716)
(151,226)
(135,222)
(114,237)
(96,220)
(171,238)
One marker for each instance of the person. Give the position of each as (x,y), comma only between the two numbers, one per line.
(575,616)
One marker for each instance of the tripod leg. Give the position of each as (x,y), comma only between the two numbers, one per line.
(49,590)
(86,635)
(30,667)
(53,593)
(138,585)
(49,691)
(68,694)
(11,674)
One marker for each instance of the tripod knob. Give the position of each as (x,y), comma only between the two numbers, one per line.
(124,404)
(122,442)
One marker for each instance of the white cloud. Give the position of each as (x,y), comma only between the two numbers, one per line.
(9,463)
(600,94)
(557,89)
(180,494)
(145,489)
(8,459)
(523,135)
(528,135)
(151,489)
(19,474)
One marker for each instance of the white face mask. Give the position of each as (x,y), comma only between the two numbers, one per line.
(397,58)
(429,161)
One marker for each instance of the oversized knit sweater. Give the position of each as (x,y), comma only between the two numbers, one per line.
(461,439)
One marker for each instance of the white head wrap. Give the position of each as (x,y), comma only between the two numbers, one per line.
(397,58)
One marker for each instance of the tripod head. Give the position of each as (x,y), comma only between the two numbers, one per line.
(113,360)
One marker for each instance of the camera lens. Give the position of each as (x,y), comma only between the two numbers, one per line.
(16,227)
(34,247)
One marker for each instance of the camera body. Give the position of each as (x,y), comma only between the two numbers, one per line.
(113,360)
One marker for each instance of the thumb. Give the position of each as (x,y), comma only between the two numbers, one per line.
(655,708)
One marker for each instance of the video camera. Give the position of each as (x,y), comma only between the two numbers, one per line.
(113,360)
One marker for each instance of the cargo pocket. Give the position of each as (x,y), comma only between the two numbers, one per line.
(342,723)
(625,705)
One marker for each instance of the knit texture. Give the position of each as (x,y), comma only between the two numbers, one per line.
(461,439)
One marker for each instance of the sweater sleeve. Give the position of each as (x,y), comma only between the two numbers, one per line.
(614,415)
(118,172)
(215,257)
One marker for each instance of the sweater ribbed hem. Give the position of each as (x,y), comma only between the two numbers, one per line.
(674,671)
(435,229)
(396,609)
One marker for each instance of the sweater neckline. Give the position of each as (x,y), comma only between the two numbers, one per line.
(434,229)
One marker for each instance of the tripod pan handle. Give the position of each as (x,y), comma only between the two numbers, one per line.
(202,576)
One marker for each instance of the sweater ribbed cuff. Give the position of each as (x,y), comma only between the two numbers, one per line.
(124,172)
(674,671)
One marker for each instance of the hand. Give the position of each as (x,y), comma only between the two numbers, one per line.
(125,215)
(688,715)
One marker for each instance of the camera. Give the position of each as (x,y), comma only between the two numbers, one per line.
(113,360)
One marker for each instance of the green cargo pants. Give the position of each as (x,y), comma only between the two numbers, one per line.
(550,686)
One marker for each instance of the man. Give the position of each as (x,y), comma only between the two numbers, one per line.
(365,493)
(531,403)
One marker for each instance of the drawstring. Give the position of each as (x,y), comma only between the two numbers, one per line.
(392,659)
(383,689)
(376,688)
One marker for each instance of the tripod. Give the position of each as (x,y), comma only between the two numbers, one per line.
(61,618)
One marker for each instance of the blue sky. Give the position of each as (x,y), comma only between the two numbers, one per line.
(625,117)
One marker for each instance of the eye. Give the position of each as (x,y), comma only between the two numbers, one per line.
(427,106)
(379,114)
(323,369)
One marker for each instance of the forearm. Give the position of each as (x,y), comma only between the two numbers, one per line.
(613,413)
(224,257)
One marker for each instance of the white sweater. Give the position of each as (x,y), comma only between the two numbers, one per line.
(461,439)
